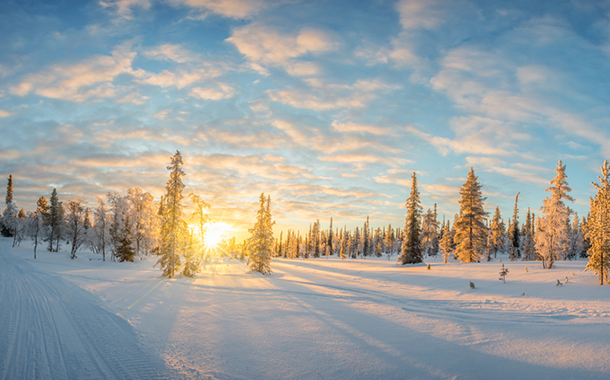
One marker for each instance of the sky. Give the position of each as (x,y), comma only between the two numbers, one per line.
(328,106)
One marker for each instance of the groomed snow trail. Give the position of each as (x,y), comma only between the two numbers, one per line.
(52,329)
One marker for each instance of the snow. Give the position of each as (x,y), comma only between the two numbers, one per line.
(310,319)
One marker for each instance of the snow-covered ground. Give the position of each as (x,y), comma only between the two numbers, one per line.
(310,319)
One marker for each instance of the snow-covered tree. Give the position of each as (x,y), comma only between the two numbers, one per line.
(100,240)
(497,235)
(54,220)
(143,219)
(552,230)
(174,230)
(429,234)
(513,233)
(599,226)
(470,229)
(529,247)
(412,252)
(577,238)
(7,222)
(446,244)
(260,243)
(75,227)
(200,217)
(35,225)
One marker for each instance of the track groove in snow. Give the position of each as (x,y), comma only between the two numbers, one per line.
(52,329)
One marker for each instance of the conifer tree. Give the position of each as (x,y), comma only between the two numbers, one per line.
(446,245)
(552,231)
(411,252)
(54,219)
(470,229)
(513,233)
(8,220)
(329,244)
(497,238)
(529,249)
(125,250)
(174,230)
(260,243)
(598,227)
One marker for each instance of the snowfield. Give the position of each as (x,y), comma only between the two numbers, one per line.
(311,319)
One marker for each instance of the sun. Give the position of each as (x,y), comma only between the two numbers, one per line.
(214,232)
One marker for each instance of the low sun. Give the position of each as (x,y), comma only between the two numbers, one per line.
(214,233)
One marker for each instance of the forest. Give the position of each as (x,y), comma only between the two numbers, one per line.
(125,227)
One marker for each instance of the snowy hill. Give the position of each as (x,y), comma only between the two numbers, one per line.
(310,319)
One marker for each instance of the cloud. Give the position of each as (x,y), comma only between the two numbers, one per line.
(4,113)
(216,92)
(123,8)
(361,128)
(169,52)
(237,9)
(241,139)
(134,98)
(263,45)
(181,78)
(424,14)
(324,97)
(90,78)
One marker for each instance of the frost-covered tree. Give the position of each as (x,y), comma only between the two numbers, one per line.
(119,210)
(54,220)
(200,217)
(599,226)
(577,239)
(529,247)
(429,234)
(260,243)
(174,230)
(513,233)
(35,224)
(100,240)
(412,252)
(124,250)
(446,245)
(552,230)
(75,225)
(143,220)
(470,229)
(329,239)
(7,222)
(497,235)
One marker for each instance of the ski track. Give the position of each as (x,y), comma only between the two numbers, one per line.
(52,329)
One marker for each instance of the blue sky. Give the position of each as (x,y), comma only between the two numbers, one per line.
(329,106)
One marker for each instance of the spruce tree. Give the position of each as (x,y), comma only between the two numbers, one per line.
(497,239)
(174,230)
(552,232)
(260,243)
(598,227)
(529,249)
(54,220)
(411,252)
(8,222)
(446,243)
(470,229)
(514,234)
(125,250)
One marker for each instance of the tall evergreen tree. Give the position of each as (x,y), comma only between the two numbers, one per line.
(260,243)
(470,229)
(552,231)
(54,220)
(329,244)
(174,230)
(412,252)
(598,227)
(529,248)
(513,233)
(497,238)
(446,245)
(8,222)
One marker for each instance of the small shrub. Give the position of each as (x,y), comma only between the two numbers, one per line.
(471,285)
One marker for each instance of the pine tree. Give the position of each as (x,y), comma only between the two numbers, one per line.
(9,221)
(513,233)
(54,220)
(260,243)
(446,243)
(552,233)
(576,238)
(124,249)
(329,244)
(598,226)
(174,230)
(529,249)
(497,238)
(470,229)
(411,252)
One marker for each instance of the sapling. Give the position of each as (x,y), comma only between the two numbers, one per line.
(471,285)
(428,267)
(503,273)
